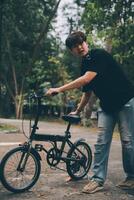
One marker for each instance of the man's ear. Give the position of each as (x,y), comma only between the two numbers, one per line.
(70,50)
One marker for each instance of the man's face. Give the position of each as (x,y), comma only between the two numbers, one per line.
(80,49)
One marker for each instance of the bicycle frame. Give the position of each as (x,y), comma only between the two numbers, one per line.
(50,138)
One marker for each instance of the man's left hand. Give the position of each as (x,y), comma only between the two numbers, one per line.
(52,92)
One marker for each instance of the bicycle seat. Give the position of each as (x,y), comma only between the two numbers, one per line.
(73,119)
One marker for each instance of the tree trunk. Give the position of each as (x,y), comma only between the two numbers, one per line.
(16,93)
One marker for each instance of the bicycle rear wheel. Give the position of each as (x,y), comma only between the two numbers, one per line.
(79,160)
(19,170)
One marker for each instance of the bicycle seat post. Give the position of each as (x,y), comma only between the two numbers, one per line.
(68,127)
(67,132)
(71,119)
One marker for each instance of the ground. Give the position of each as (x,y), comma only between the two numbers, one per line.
(52,183)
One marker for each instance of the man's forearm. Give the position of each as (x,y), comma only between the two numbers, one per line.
(72,85)
(81,81)
(84,101)
(77,83)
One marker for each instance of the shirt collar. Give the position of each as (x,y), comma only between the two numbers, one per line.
(87,56)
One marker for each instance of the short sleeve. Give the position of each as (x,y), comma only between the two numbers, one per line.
(97,62)
(86,88)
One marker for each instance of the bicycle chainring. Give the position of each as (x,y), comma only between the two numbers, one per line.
(53,157)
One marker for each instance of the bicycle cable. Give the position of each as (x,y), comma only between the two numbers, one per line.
(23,131)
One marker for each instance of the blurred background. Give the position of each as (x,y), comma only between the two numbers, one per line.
(33,55)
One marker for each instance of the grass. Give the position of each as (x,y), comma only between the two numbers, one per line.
(7,127)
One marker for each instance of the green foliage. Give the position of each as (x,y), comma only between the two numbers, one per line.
(107,22)
(23,25)
(112,21)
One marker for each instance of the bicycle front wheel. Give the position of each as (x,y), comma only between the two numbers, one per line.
(19,170)
(79,160)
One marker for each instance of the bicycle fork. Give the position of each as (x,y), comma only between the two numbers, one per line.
(24,157)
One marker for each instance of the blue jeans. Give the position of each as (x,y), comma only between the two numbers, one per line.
(106,125)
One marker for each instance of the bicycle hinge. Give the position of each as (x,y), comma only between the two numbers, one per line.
(38,147)
(36,127)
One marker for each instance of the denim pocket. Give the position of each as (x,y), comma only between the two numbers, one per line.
(129,103)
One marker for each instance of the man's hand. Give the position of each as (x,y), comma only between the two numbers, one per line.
(76,112)
(52,92)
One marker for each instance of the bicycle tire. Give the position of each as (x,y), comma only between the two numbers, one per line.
(16,180)
(79,168)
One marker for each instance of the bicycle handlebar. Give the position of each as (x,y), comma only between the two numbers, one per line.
(35,96)
(39,96)
(54,93)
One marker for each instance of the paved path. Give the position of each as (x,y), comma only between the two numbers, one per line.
(52,184)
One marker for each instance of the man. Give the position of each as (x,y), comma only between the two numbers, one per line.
(101,74)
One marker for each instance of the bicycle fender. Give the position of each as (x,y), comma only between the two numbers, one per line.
(75,144)
(35,153)
(79,140)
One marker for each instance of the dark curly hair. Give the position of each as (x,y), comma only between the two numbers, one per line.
(75,38)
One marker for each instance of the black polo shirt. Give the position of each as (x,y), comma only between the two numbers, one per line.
(110,84)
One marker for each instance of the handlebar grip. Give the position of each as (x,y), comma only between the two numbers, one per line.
(54,93)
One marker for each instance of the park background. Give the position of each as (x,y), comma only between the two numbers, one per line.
(33,54)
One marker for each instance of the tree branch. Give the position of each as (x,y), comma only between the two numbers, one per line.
(43,33)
